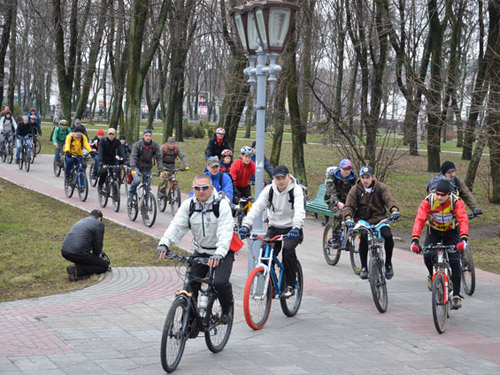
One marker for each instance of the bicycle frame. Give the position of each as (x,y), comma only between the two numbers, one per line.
(442,265)
(374,237)
(267,260)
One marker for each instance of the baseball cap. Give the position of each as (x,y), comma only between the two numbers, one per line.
(171,140)
(214,160)
(280,170)
(345,163)
(366,170)
(112,131)
(77,121)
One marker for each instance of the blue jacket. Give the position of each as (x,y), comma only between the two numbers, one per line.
(226,185)
(268,167)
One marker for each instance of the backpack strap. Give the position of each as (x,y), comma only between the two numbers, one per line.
(165,149)
(376,190)
(215,208)
(291,196)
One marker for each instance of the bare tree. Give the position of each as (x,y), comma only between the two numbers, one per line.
(8,19)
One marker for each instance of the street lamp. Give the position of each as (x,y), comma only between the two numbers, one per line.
(263,27)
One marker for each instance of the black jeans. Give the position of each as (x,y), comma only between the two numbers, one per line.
(451,237)
(103,172)
(86,264)
(221,279)
(386,233)
(289,255)
(242,192)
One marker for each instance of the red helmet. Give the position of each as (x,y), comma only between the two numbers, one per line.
(220,131)
(100,132)
(227,152)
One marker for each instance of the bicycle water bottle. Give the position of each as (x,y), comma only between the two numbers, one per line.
(203,301)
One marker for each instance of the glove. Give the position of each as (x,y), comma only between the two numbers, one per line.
(294,233)
(415,246)
(395,214)
(68,154)
(186,169)
(216,257)
(349,223)
(462,245)
(244,232)
(162,249)
(478,212)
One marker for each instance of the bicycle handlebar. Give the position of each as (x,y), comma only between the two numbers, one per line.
(174,170)
(279,237)
(438,247)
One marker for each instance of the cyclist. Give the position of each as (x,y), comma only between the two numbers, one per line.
(37,117)
(268,167)
(74,145)
(443,210)
(78,122)
(216,144)
(212,236)
(170,152)
(368,200)
(94,144)
(127,150)
(8,126)
(241,172)
(221,181)
(141,160)
(338,183)
(83,246)
(24,131)
(59,138)
(37,129)
(226,160)
(285,198)
(110,153)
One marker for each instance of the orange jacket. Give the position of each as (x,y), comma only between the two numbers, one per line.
(441,217)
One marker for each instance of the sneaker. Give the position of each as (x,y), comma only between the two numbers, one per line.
(225,318)
(17,161)
(288,292)
(71,270)
(389,272)
(363,273)
(334,242)
(456,302)
(429,283)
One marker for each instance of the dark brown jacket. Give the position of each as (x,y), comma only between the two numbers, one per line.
(377,207)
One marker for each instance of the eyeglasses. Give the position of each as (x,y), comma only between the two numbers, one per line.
(442,194)
(215,166)
(204,187)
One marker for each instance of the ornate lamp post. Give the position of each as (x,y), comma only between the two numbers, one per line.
(263,27)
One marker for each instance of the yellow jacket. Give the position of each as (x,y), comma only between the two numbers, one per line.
(76,145)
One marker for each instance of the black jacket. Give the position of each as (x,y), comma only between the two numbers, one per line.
(24,129)
(142,157)
(108,150)
(213,148)
(86,235)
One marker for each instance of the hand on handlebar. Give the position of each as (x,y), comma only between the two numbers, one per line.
(294,233)
(162,251)
(415,246)
(395,214)
(214,260)
(462,245)
(349,222)
(244,232)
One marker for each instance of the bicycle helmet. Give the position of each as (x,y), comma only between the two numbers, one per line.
(220,131)
(33,117)
(100,132)
(246,150)
(63,122)
(226,152)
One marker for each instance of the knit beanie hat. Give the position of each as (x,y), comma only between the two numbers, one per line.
(448,166)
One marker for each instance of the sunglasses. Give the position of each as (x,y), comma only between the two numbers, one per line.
(442,194)
(215,166)
(204,187)
(346,168)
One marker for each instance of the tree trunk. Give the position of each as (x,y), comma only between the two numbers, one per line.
(308,19)
(340,68)
(4,43)
(12,57)
(279,121)
(476,158)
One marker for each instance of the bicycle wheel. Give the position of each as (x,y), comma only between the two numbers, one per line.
(353,246)
(175,199)
(69,188)
(27,160)
(57,168)
(162,200)
(256,301)
(132,210)
(173,339)
(332,255)
(468,272)
(102,197)
(21,160)
(148,209)
(83,186)
(4,154)
(10,156)
(115,195)
(93,179)
(37,147)
(33,154)
(290,306)
(439,307)
(378,285)
(216,334)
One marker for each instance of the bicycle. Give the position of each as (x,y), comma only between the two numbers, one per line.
(125,177)
(144,201)
(349,241)
(263,284)
(468,270)
(58,167)
(242,208)
(92,177)
(173,197)
(25,157)
(111,188)
(36,148)
(186,318)
(376,267)
(442,286)
(8,152)
(78,179)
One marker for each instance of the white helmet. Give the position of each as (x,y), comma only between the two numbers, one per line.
(246,150)
(220,131)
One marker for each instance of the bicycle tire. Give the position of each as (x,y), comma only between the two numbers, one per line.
(132,209)
(291,305)
(439,307)
(216,334)
(175,201)
(11,153)
(83,186)
(33,154)
(92,179)
(378,285)
(21,160)
(27,161)
(468,272)
(115,195)
(256,305)
(148,209)
(162,200)
(102,197)
(38,147)
(353,245)
(4,154)
(69,188)
(174,337)
(332,255)
(57,168)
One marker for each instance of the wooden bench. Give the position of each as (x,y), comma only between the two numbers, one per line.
(318,205)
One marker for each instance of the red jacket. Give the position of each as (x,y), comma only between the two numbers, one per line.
(441,217)
(241,173)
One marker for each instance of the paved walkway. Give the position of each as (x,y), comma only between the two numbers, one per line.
(115,325)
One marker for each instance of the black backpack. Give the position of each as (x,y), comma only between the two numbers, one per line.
(291,195)
(215,208)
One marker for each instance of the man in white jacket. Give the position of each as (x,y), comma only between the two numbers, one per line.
(211,222)
(287,213)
